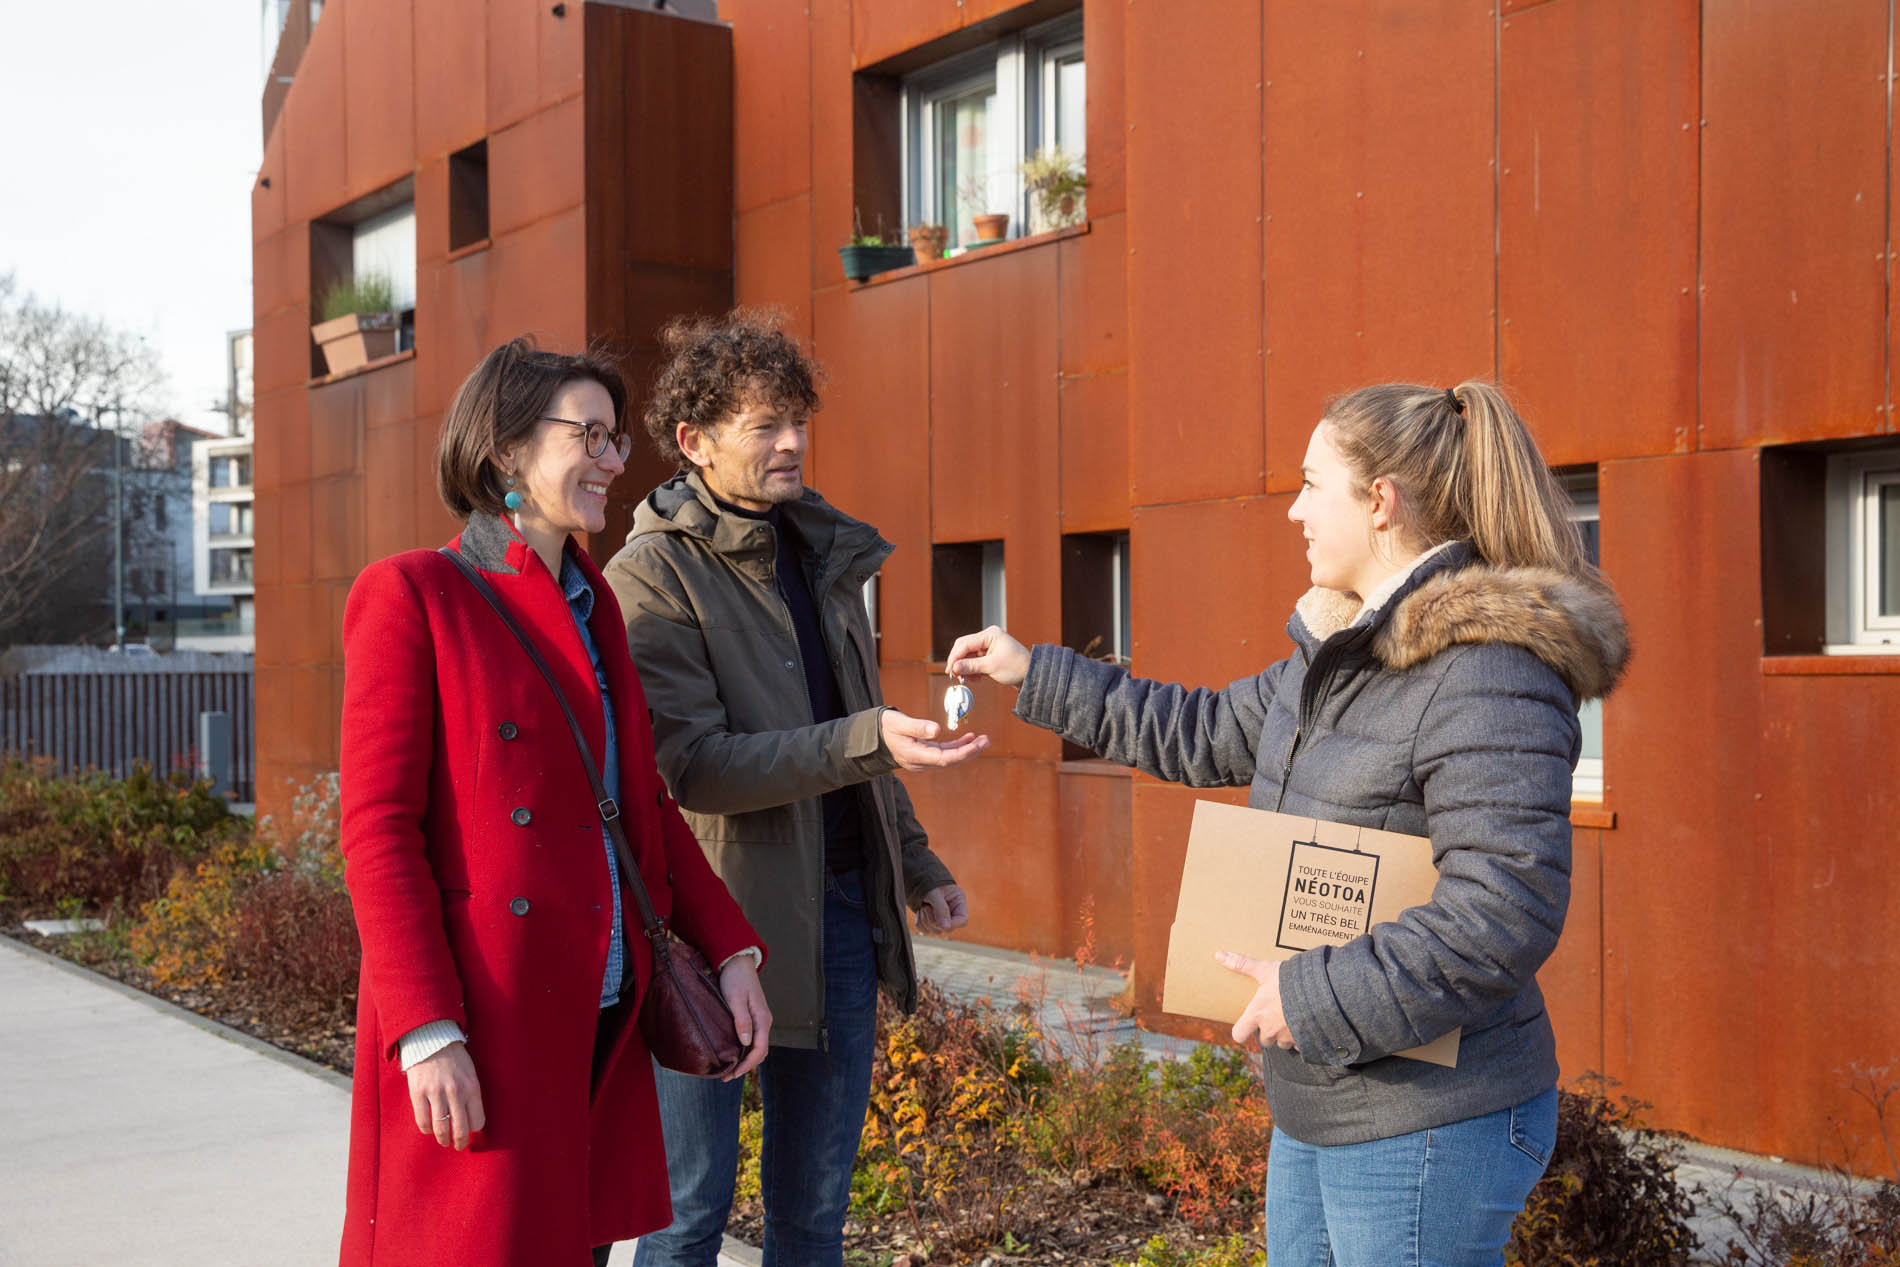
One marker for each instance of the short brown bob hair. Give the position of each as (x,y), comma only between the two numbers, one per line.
(497,406)
(716,366)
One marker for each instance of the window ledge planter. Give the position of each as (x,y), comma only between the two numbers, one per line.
(861,262)
(356,338)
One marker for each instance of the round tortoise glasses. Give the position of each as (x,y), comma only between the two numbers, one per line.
(598,436)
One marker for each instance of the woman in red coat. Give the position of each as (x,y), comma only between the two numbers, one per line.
(503,1107)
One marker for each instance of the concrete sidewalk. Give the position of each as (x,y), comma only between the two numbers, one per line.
(134,1131)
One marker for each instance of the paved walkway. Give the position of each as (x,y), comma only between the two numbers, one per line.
(134,1131)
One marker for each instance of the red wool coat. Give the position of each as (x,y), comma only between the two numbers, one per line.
(474,859)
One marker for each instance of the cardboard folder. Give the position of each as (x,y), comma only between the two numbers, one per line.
(1271,885)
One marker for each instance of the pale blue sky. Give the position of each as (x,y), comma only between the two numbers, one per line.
(128,143)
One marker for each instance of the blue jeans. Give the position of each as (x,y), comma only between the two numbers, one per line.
(814,1114)
(1444,1197)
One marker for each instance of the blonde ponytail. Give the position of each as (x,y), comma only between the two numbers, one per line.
(1466,468)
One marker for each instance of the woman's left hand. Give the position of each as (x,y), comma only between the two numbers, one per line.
(739,982)
(1264,1015)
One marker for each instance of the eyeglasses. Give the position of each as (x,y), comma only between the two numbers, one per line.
(597,436)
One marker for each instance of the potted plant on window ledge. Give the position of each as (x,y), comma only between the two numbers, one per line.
(928,240)
(991,227)
(359,322)
(868,254)
(1057,189)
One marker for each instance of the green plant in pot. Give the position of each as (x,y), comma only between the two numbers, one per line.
(868,254)
(1057,188)
(357,322)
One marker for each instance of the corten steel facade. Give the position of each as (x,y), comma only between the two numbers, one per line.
(1664,224)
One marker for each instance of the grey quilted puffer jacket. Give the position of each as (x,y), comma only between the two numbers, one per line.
(1451,712)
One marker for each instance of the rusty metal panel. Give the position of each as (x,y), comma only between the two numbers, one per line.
(1195,301)
(379,113)
(561,53)
(1093,300)
(885,28)
(537,167)
(1687,986)
(875,346)
(833,123)
(391,490)
(537,281)
(772,101)
(281,347)
(1093,834)
(1597,225)
(771,264)
(1191,623)
(1794,221)
(1160,816)
(451,76)
(315,177)
(514,74)
(1094,422)
(993,423)
(1103,27)
(336,427)
(1827,866)
(337,531)
(1572,978)
(1380,204)
(268,202)
(977,814)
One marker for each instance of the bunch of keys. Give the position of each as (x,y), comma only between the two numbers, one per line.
(956,703)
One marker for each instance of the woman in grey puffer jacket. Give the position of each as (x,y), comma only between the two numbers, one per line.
(1453,628)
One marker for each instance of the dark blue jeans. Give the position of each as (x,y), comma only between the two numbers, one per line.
(814,1114)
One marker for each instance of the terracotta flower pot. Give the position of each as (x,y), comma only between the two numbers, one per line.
(355,339)
(992,228)
(927,242)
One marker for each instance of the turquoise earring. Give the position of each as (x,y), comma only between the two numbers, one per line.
(513,500)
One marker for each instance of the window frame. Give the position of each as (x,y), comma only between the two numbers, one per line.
(1854,626)
(1586,506)
(1020,70)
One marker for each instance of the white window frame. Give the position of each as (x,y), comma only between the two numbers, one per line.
(1586,784)
(1854,625)
(1020,69)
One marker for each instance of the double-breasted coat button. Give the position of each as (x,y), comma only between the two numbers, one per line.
(519,906)
(508,730)
(522,817)
(788,664)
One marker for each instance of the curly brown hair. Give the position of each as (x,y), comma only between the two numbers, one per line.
(717,365)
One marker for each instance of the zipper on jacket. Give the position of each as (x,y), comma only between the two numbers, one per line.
(1310,703)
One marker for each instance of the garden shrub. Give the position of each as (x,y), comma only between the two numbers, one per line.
(94,839)
(1844,1228)
(270,912)
(1609,1195)
(1232,1252)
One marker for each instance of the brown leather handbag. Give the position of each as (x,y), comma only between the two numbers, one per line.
(683,1018)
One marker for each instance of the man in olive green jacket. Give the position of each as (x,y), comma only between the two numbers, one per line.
(743,595)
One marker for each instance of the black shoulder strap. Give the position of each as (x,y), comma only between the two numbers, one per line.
(609,811)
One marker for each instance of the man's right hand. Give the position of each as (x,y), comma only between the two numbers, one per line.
(911,742)
(447,1097)
(991,653)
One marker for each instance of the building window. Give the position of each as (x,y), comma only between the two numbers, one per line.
(967,592)
(1587,783)
(158,512)
(468,196)
(971,121)
(230,472)
(230,567)
(1863,552)
(371,238)
(1095,619)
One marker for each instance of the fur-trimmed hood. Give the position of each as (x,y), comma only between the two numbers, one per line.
(1573,624)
